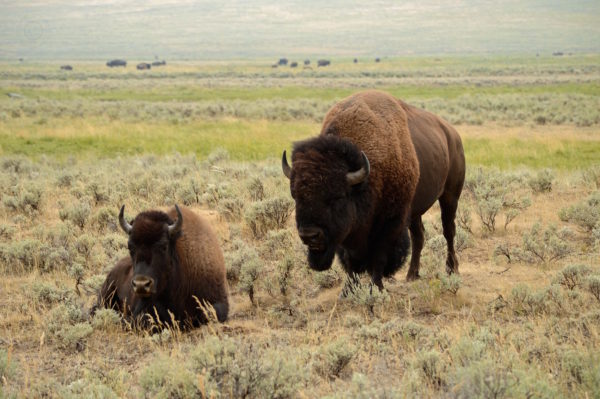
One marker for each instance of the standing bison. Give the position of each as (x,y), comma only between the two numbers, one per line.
(116,63)
(174,270)
(376,167)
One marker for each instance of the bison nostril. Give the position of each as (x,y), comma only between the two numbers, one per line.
(311,235)
(142,284)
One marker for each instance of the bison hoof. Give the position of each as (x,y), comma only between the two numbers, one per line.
(412,277)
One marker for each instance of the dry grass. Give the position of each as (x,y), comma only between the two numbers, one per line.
(331,347)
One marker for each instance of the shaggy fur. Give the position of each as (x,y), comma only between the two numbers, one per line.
(193,267)
(415,158)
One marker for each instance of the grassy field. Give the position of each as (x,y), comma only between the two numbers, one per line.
(522,320)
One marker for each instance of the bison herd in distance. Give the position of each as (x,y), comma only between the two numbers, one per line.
(147,65)
(359,187)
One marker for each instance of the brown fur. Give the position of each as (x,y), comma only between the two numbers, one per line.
(198,269)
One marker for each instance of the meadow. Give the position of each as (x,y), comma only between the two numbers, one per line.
(521,320)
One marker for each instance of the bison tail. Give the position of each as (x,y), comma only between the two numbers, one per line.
(398,254)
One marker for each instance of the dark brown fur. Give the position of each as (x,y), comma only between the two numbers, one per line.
(416,158)
(196,269)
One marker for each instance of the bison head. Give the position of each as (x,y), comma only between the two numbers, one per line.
(152,237)
(328,183)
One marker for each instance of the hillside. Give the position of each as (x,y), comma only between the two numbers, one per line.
(212,29)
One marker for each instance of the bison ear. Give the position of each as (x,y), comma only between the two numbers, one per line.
(360,175)
(124,225)
(287,171)
(175,228)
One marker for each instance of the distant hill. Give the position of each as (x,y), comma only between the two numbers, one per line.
(211,29)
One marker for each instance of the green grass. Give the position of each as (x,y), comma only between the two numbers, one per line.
(244,140)
(512,153)
(186,93)
(252,140)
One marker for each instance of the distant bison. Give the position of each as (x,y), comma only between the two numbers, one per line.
(66,67)
(159,63)
(174,270)
(321,63)
(356,61)
(116,63)
(143,66)
(306,62)
(376,167)
(283,61)
(293,64)
(377,59)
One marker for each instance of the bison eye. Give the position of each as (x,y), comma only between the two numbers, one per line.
(162,246)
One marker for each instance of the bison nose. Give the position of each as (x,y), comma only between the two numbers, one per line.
(142,285)
(311,236)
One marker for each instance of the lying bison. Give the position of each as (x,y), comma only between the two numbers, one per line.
(175,268)
(143,66)
(376,167)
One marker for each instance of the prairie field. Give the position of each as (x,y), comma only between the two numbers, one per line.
(522,319)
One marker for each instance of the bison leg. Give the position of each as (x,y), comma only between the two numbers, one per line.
(417,237)
(448,207)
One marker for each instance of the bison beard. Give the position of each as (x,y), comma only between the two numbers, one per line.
(321,260)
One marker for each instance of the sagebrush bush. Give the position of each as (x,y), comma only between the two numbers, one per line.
(543,245)
(67,324)
(591,176)
(277,243)
(572,276)
(164,378)
(334,357)
(217,155)
(231,209)
(284,274)
(237,369)
(250,269)
(97,192)
(24,256)
(367,295)
(256,189)
(268,214)
(593,286)
(463,216)
(77,213)
(47,293)
(25,198)
(105,218)
(328,278)
(106,319)
(87,388)
(495,192)
(236,256)
(215,193)
(585,214)
(432,368)
(549,300)
(581,369)
(451,283)
(542,181)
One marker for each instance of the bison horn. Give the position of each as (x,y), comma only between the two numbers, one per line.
(176,227)
(360,175)
(287,171)
(124,225)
